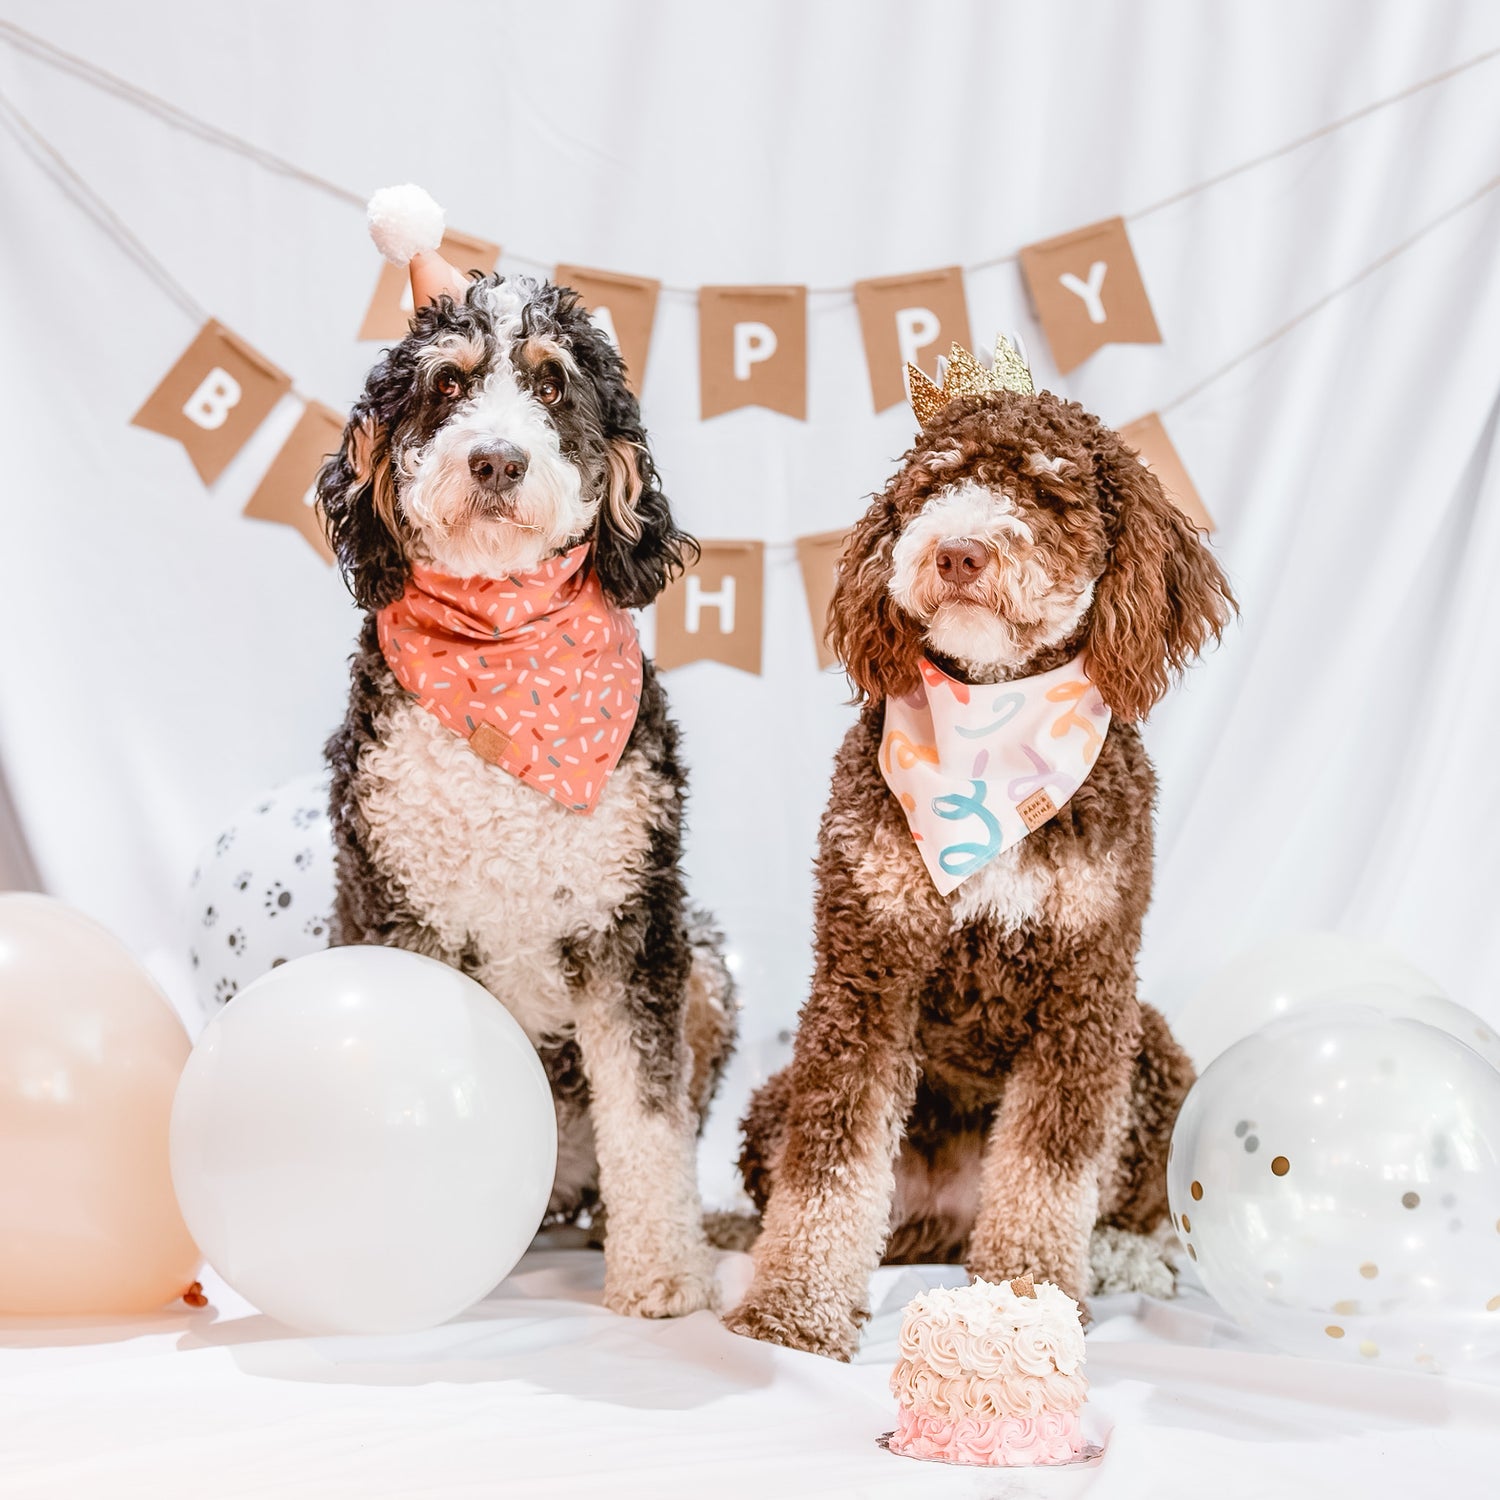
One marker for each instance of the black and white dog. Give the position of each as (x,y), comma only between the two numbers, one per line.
(498,434)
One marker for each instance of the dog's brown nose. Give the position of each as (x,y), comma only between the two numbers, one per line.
(498,466)
(960,559)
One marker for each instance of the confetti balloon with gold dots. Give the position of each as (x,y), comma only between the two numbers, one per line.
(1335,1178)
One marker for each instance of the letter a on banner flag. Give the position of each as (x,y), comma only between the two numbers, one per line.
(818,556)
(285,495)
(713,612)
(1088,292)
(752,349)
(622,307)
(389,313)
(213,399)
(1157,451)
(909,320)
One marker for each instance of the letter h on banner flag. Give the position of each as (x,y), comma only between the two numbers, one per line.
(713,612)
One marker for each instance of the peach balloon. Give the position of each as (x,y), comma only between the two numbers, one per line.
(90,1054)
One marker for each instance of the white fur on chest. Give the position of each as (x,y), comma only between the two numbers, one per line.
(494,865)
(1018,887)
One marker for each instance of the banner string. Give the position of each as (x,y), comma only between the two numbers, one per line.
(180,119)
(85,197)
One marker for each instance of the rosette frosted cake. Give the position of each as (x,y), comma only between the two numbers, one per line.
(991,1375)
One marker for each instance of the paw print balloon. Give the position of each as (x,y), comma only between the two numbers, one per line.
(263,890)
(1335,1178)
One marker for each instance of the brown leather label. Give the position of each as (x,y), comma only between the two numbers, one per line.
(1036,809)
(489,744)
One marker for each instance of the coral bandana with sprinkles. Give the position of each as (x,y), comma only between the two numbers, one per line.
(976,767)
(540,673)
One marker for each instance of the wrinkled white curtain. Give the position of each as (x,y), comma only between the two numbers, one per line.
(164,659)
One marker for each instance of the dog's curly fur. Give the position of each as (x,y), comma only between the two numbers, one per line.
(578,924)
(973,1075)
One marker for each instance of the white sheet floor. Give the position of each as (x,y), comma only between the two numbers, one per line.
(539,1391)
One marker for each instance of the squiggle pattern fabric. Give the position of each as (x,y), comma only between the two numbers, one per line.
(962,759)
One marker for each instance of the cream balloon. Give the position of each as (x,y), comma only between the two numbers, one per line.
(90,1053)
(363,1142)
(1285,976)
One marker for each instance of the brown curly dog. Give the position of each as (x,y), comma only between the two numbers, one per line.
(973,1074)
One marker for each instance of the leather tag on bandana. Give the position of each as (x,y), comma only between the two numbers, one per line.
(489,744)
(1036,809)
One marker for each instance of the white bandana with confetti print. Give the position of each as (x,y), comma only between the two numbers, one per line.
(976,767)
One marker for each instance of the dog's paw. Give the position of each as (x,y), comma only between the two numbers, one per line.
(663,1293)
(812,1330)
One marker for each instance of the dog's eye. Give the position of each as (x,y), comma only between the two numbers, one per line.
(449,384)
(550,390)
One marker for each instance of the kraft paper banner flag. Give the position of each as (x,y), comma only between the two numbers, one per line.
(624,307)
(1088,292)
(389,313)
(213,398)
(818,557)
(910,319)
(752,348)
(713,612)
(285,494)
(1149,438)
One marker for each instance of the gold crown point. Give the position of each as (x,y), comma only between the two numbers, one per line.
(963,375)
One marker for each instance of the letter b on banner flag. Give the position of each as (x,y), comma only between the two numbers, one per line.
(713,612)
(909,320)
(213,399)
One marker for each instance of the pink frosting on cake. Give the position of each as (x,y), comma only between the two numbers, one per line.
(990,1375)
(1050,1437)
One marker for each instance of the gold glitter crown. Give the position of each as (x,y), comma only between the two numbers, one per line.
(965,376)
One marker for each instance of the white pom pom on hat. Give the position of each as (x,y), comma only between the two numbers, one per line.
(404,220)
(407,227)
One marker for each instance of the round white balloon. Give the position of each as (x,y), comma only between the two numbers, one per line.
(1336,1179)
(262,892)
(1282,977)
(364,1142)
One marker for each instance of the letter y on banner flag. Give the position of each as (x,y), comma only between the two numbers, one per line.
(213,399)
(1088,292)
(713,612)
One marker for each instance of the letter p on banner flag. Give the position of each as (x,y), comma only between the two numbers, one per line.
(752,349)
(713,612)
(213,399)
(909,320)
(1087,291)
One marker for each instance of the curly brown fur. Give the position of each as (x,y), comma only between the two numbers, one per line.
(973,1075)
(580,925)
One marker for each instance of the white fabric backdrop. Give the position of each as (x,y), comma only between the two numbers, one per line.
(1329,767)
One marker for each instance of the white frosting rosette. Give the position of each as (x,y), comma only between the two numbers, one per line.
(985,1351)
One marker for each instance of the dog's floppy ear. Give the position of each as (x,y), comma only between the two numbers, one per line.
(638,549)
(874,641)
(358,502)
(1162,596)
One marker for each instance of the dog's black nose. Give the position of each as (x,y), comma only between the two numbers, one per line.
(960,559)
(498,466)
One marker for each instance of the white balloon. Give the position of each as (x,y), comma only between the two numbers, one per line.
(363,1142)
(262,892)
(1336,1179)
(1283,977)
